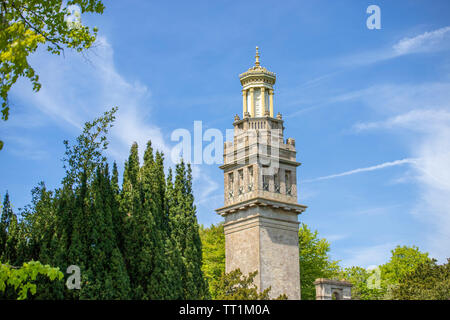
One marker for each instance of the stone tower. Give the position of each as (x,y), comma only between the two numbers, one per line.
(260,185)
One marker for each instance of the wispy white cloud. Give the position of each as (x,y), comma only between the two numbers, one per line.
(376,211)
(390,99)
(76,89)
(206,186)
(422,113)
(425,111)
(429,41)
(335,237)
(25,147)
(423,120)
(366,169)
(367,256)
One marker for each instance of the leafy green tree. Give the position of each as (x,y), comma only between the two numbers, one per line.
(25,24)
(404,260)
(84,157)
(428,281)
(360,277)
(315,261)
(49,228)
(387,277)
(75,225)
(89,234)
(236,286)
(40,218)
(21,280)
(140,241)
(213,248)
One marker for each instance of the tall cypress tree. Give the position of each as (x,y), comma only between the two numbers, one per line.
(140,241)
(5,222)
(193,252)
(44,240)
(185,230)
(10,233)
(138,226)
(104,260)
(175,263)
(115,180)
(118,215)
(153,211)
(40,217)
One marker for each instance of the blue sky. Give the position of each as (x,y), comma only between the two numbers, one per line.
(369,109)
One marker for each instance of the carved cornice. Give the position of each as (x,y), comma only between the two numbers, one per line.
(244,161)
(261,202)
(342,283)
(258,74)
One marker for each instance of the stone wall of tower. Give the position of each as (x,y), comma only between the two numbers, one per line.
(265,239)
(261,225)
(258,141)
(279,257)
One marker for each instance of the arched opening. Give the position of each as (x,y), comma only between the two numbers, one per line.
(336,296)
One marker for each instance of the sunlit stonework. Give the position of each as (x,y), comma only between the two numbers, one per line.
(260,185)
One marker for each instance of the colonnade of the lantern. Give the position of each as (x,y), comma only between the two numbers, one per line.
(248,102)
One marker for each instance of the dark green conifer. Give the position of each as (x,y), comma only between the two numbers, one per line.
(137,251)
(185,231)
(10,233)
(155,287)
(5,222)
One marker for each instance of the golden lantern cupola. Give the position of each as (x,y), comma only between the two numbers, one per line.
(257,90)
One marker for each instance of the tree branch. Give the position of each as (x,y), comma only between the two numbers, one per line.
(42,33)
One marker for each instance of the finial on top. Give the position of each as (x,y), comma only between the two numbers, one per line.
(257,57)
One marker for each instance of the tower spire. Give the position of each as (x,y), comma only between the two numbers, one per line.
(257,57)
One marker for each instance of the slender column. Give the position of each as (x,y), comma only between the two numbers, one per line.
(244,102)
(271,102)
(252,101)
(263,101)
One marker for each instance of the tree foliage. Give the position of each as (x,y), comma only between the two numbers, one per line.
(315,261)
(213,242)
(140,241)
(428,281)
(22,279)
(185,232)
(360,278)
(236,286)
(25,24)
(404,260)
(86,155)
(383,281)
